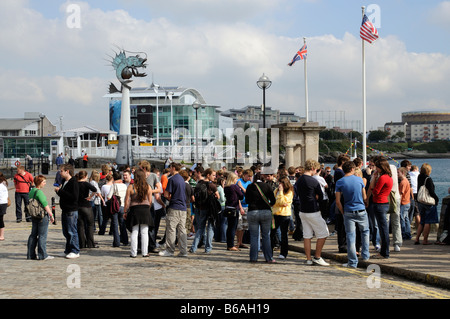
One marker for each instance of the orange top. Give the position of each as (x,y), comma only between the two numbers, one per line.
(405,192)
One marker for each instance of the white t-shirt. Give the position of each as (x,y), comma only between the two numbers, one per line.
(118,189)
(3,193)
(414,176)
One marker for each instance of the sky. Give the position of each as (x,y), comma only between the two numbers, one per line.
(56,55)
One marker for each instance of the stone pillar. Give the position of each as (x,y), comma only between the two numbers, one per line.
(289,156)
(124,152)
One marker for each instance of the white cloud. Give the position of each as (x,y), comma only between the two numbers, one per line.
(65,72)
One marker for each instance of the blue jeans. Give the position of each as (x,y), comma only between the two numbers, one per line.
(38,237)
(405,223)
(98,216)
(202,219)
(380,212)
(260,219)
(220,231)
(70,232)
(373,226)
(351,219)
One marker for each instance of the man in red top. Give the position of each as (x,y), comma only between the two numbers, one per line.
(85,160)
(23,181)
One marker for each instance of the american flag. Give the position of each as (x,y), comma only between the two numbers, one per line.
(300,55)
(368,32)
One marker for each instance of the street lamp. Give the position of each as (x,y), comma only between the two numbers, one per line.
(155,88)
(264,83)
(196,105)
(170,95)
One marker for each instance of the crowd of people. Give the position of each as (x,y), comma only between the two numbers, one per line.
(255,209)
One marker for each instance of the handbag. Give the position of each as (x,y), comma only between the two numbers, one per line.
(114,203)
(229,211)
(423,196)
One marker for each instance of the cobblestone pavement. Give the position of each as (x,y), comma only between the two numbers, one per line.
(109,272)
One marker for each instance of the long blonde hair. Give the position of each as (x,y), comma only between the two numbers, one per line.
(231,178)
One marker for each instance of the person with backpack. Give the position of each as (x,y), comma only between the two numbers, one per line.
(202,192)
(85,224)
(39,228)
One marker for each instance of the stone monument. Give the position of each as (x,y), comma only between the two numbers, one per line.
(301,141)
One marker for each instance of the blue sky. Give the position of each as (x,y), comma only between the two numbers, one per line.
(221,47)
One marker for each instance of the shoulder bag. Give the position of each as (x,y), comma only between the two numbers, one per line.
(114,202)
(423,195)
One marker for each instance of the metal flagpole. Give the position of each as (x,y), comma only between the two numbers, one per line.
(306,85)
(364,150)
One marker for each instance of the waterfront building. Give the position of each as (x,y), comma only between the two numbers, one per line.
(89,139)
(154,112)
(422,126)
(30,135)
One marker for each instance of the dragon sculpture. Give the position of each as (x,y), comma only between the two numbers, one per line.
(126,68)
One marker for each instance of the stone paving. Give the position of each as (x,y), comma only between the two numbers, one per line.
(109,272)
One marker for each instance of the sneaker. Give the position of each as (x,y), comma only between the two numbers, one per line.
(347,266)
(320,261)
(49,258)
(308,262)
(182,255)
(72,256)
(165,253)
(281,257)
(396,247)
(378,248)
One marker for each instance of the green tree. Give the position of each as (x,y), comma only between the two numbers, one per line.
(332,135)
(375,136)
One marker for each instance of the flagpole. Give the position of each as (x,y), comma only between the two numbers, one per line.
(306,85)
(364,150)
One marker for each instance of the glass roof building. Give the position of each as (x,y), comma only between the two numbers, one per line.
(174,105)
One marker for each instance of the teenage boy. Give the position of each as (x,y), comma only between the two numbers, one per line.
(68,194)
(176,213)
(353,209)
(310,194)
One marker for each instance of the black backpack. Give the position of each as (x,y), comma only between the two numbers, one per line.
(201,194)
(214,208)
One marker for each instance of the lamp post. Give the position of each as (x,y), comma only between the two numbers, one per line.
(42,116)
(196,105)
(264,83)
(170,95)
(155,88)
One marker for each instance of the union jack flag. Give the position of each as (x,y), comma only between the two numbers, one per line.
(368,32)
(300,55)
